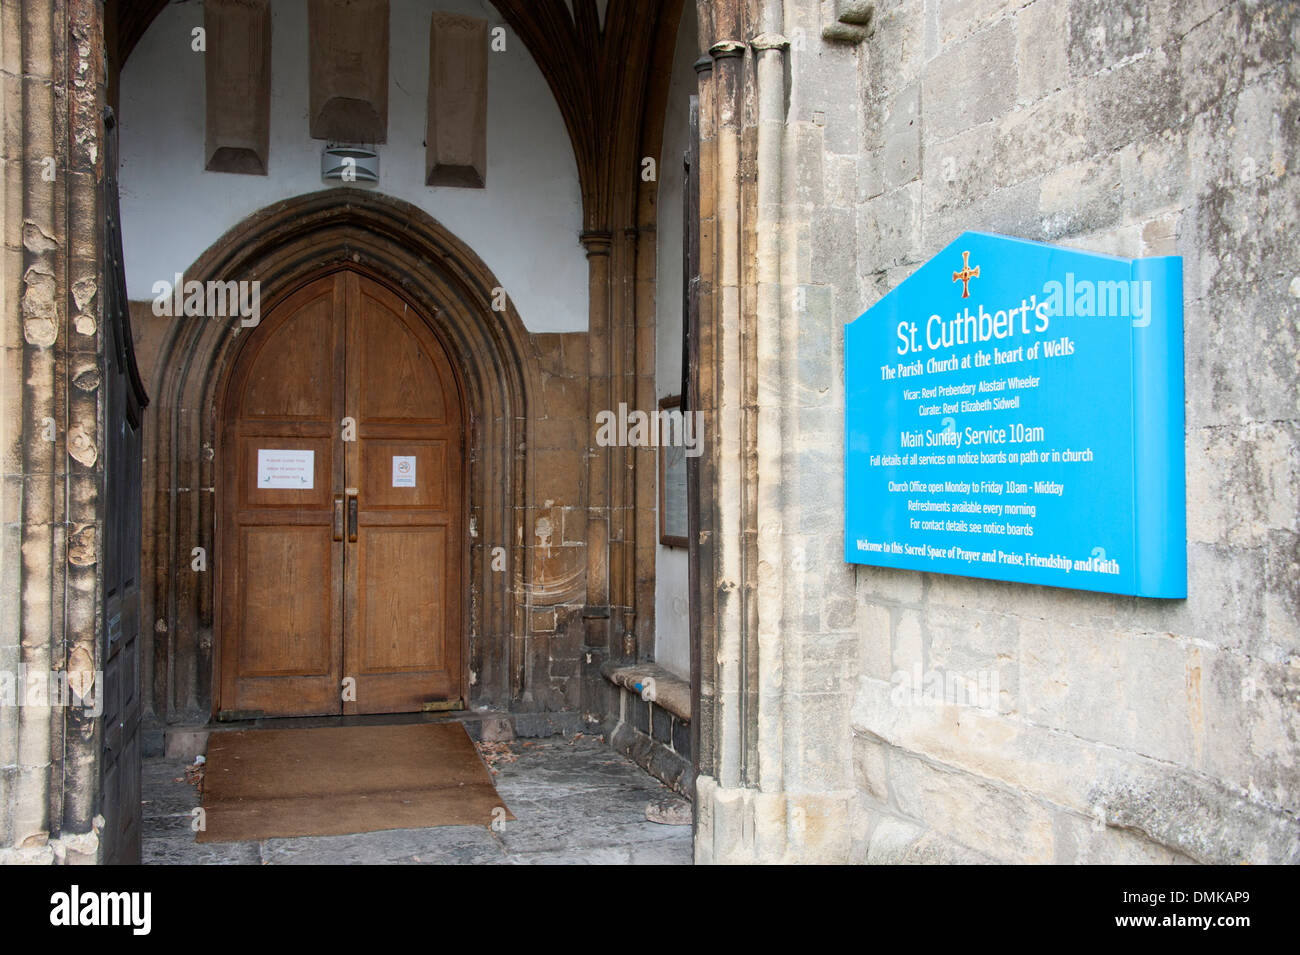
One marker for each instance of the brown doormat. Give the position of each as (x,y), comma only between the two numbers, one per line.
(263,784)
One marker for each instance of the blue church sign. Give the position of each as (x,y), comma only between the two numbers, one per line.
(1014,411)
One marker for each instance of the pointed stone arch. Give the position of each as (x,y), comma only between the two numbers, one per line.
(281,247)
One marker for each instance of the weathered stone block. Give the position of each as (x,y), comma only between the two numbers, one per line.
(237,85)
(1043,137)
(1004,824)
(456,130)
(1241,482)
(1081,840)
(1168,805)
(822,752)
(1202,819)
(957,19)
(1222,609)
(1104,32)
(1155,172)
(955,85)
(1282,599)
(348,43)
(874,641)
(889,228)
(870,767)
(1225,46)
(896,50)
(900,153)
(1078,680)
(824,661)
(1131,102)
(969,660)
(908,650)
(1042,49)
(1081,197)
(1252,725)
(810,153)
(1010,211)
(842,181)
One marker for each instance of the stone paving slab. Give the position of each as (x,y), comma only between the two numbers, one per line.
(577,802)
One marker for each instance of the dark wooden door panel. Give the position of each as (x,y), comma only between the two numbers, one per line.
(118,693)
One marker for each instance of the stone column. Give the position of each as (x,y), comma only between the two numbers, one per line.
(50,420)
(596,613)
(725,813)
(760,798)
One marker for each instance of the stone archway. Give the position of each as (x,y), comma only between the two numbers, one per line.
(280,246)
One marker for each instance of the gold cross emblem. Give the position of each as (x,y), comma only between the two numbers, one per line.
(966,274)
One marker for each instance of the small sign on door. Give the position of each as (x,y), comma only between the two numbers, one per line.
(403,470)
(288,469)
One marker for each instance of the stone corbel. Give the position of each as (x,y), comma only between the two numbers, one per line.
(456,124)
(769,41)
(726,48)
(847,21)
(237,86)
(348,70)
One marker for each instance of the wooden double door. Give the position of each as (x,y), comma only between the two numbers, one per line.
(341,546)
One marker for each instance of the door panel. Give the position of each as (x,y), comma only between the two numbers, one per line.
(429,472)
(400,378)
(120,651)
(281,570)
(394,620)
(403,636)
(313,595)
(284,603)
(292,374)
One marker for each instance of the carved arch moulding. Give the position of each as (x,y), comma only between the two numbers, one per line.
(281,247)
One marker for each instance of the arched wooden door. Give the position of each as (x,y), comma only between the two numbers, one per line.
(341,548)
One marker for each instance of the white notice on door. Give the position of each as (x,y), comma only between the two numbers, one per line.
(288,468)
(403,470)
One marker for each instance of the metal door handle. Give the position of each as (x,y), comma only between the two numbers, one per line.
(338,517)
(352,518)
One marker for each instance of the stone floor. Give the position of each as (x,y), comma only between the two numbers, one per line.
(575,802)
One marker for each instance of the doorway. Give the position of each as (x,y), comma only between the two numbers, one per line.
(341,547)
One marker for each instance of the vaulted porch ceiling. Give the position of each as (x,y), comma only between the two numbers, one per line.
(609,75)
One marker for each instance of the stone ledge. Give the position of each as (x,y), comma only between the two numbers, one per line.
(661,761)
(671,692)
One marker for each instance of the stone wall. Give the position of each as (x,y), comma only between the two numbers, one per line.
(1124,729)
(839,156)
(553,658)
